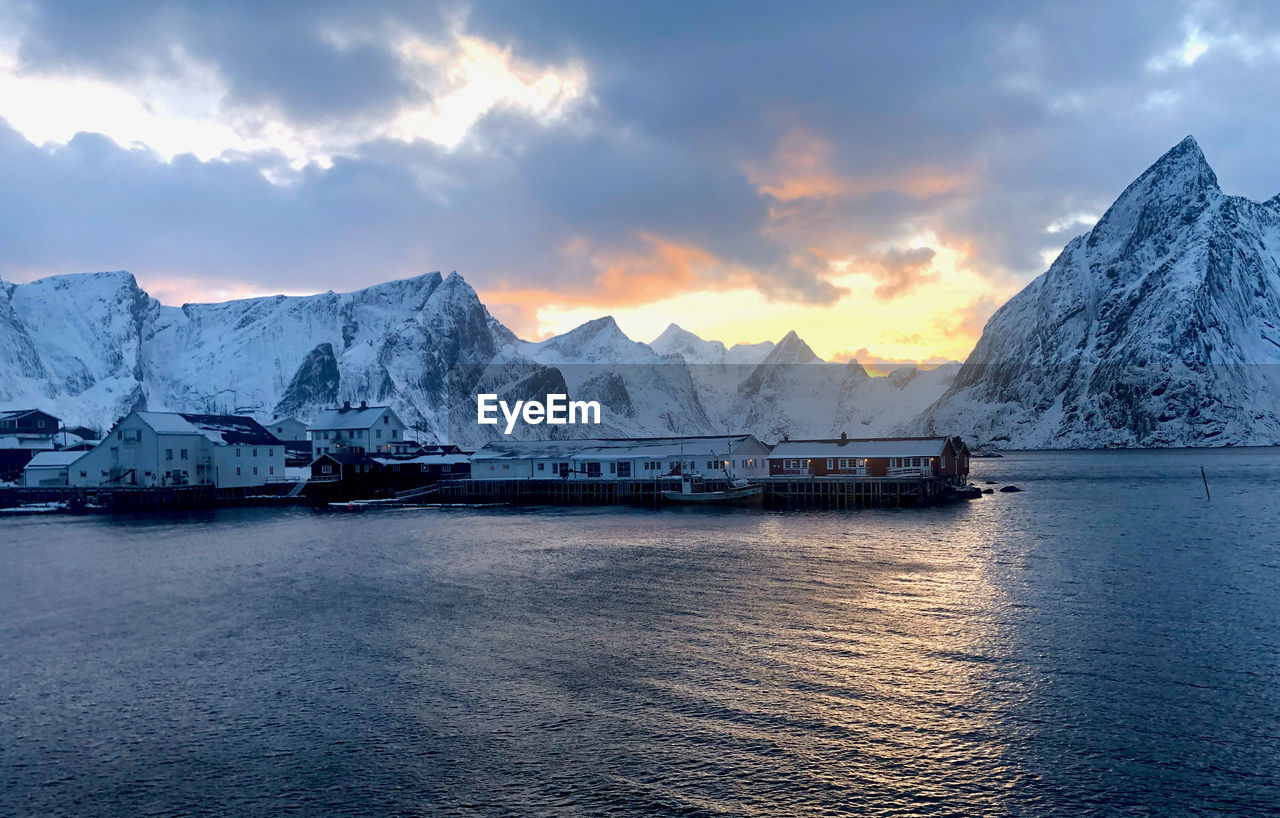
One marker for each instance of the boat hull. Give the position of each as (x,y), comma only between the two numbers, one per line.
(736,496)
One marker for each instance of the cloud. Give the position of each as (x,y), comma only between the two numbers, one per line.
(900,271)
(968,321)
(302,146)
(180,99)
(881,365)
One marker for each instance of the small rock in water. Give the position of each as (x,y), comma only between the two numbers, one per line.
(990,482)
(1010,489)
(988,491)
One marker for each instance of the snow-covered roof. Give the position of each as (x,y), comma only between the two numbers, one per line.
(880,447)
(167,423)
(426,459)
(610,448)
(353,418)
(15,414)
(54,459)
(220,429)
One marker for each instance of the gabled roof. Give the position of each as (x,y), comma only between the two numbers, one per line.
(18,414)
(54,459)
(865,447)
(234,430)
(224,430)
(353,418)
(349,458)
(426,459)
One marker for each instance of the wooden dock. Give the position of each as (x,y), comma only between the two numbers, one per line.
(779,492)
(126,499)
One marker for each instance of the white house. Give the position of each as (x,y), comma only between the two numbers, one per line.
(49,468)
(621,458)
(287,429)
(171,449)
(368,429)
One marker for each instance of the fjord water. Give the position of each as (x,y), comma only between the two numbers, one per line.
(1105,641)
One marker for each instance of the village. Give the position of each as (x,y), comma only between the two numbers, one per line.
(358,457)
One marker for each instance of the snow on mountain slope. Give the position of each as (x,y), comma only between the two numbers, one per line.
(1159,327)
(641,392)
(91,347)
(74,341)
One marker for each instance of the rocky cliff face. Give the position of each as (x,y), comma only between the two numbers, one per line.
(1159,327)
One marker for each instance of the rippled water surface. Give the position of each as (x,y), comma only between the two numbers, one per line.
(1105,641)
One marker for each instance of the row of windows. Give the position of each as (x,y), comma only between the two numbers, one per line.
(182,453)
(622,468)
(353,433)
(270,470)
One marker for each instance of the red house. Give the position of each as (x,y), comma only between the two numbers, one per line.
(871,457)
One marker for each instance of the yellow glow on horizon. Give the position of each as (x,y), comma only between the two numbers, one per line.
(931,320)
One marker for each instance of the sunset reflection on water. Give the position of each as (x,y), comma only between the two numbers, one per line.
(1053,651)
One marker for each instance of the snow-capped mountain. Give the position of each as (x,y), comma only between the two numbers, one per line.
(794,393)
(717,371)
(640,391)
(1159,327)
(91,347)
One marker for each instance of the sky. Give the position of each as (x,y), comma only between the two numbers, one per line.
(878,177)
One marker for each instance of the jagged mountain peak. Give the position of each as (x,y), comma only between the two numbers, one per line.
(792,350)
(600,339)
(1148,331)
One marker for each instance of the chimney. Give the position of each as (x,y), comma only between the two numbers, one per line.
(844,438)
(364,404)
(346,406)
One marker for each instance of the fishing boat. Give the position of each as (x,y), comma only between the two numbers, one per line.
(739,493)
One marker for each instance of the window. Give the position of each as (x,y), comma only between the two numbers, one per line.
(593,468)
(39,424)
(255,469)
(255,452)
(542,467)
(183,453)
(379,433)
(326,469)
(237,471)
(119,435)
(237,452)
(624,469)
(829,463)
(613,467)
(271,469)
(271,452)
(395,433)
(84,474)
(168,454)
(386,418)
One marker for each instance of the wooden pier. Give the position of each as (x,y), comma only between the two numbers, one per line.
(125,499)
(779,492)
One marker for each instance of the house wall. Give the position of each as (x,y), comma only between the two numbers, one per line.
(44,476)
(377,437)
(119,452)
(287,429)
(256,465)
(503,469)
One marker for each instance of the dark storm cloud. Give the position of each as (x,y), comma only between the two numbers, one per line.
(983,125)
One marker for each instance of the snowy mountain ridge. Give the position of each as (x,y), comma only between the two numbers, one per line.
(91,347)
(1158,327)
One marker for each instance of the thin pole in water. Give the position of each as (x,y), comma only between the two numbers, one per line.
(1206,483)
